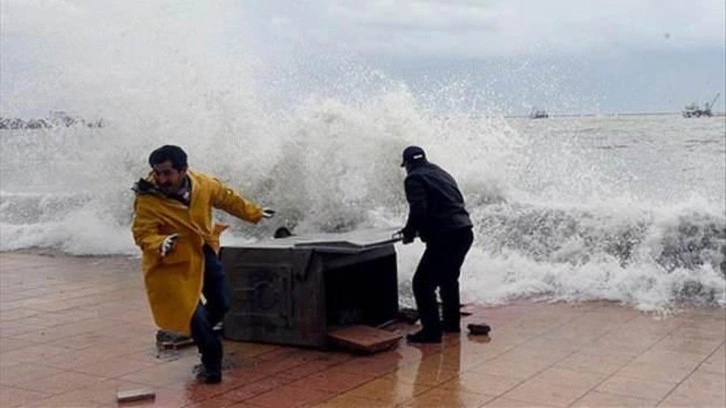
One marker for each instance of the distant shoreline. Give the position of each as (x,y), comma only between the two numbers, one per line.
(63,120)
(609,115)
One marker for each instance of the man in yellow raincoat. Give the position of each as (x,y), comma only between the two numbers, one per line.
(174,229)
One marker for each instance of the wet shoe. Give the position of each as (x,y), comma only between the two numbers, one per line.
(198,371)
(208,377)
(424,337)
(212,378)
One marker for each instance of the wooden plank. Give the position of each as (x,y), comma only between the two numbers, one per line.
(141,394)
(364,338)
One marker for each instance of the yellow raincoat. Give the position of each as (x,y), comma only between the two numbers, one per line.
(174,282)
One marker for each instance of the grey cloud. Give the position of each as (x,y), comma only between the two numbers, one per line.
(508,27)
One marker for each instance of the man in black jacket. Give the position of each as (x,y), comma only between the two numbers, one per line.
(438,216)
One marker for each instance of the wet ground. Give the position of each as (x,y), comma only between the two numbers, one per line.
(76,330)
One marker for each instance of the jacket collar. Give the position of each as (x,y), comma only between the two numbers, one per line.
(148,186)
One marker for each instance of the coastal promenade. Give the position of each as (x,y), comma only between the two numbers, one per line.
(76,330)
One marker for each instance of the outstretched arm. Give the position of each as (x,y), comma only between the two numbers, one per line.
(229,201)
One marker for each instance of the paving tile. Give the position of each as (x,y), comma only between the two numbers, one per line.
(456,360)
(629,344)
(103,392)
(408,352)
(347,401)
(334,380)
(13,396)
(160,375)
(480,383)
(290,396)
(515,368)
(367,365)
(656,325)
(248,349)
(85,341)
(33,353)
(702,389)
(164,398)
(216,402)
(429,372)
(658,372)
(503,402)
(488,345)
(19,313)
(246,391)
(688,344)
(555,342)
(575,379)
(113,367)
(671,358)
(303,370)
(16,328)
(595,362)
(248,375)
(523,352)
(704,330)
(440,397)
(388,391)
(72,399)
(73,359)
(83,320)
(196,391)
(61,383)
(583,328)
(40,334)
(536,392)
(243,405)
(599,399)
(277,365)
(23,372)
(9,343)
(648,390)
(716,363)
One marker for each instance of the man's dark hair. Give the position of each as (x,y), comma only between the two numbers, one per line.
(174,154)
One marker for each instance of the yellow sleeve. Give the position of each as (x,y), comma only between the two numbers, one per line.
(229,201)
(145,229)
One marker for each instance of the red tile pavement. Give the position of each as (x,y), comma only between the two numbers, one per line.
(75,331)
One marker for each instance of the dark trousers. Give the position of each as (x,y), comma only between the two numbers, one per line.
(217,293)
(440,267)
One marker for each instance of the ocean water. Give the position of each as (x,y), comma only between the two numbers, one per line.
(629,209)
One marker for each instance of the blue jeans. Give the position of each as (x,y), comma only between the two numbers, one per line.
(217,293)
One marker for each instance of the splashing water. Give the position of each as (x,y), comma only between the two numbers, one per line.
(624,209)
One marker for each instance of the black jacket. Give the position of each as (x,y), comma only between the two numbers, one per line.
(436,204)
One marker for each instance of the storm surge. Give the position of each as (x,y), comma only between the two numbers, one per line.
(622,209)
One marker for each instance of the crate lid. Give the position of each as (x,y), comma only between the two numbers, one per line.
(352,241)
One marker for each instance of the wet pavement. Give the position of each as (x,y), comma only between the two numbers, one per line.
(76,330)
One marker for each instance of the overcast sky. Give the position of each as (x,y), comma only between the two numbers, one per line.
(617,55)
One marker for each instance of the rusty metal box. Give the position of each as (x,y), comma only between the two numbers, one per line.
(295,290)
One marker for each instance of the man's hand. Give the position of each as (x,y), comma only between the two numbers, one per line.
(405,236)
(268,213)
(168,244)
